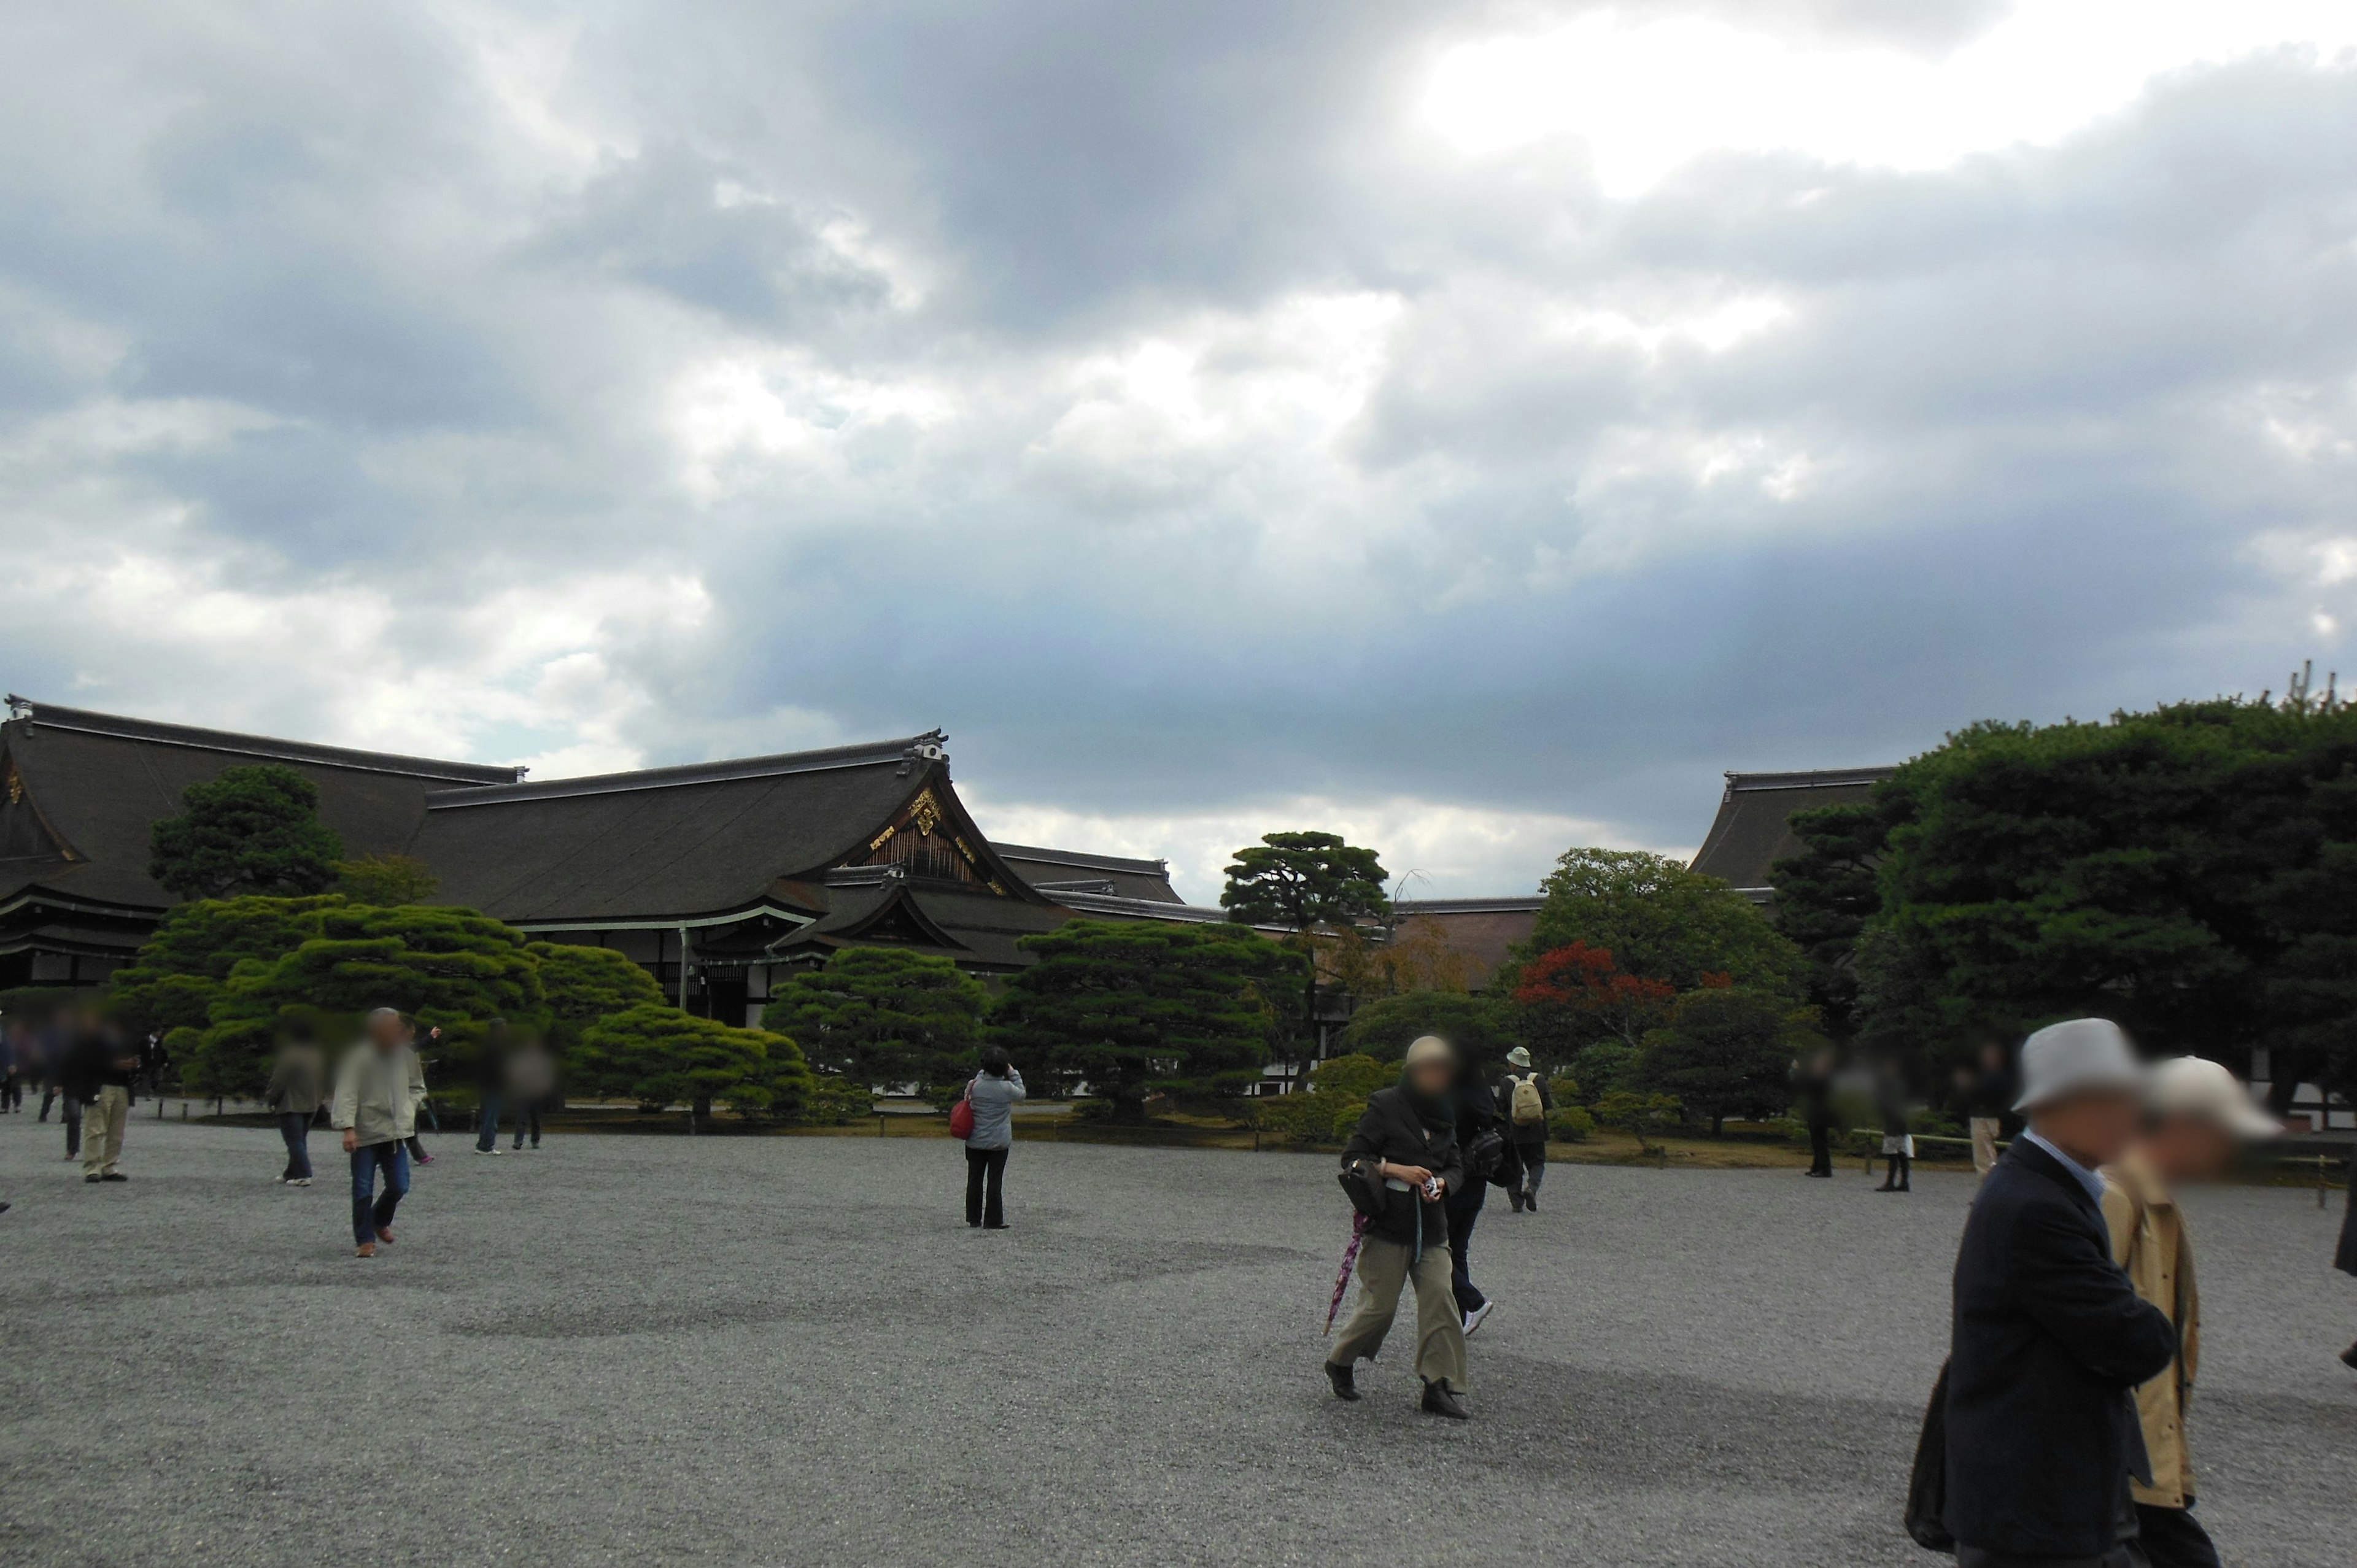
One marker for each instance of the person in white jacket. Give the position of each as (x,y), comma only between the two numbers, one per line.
(378,1086)
(994,1092)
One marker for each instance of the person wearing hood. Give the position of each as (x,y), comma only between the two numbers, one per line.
(1405,1162)
(1523,1094)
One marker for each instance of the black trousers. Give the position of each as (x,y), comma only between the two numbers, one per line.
(986,1178)
(2173,1538)
(12,1093)
(2126,1554)
(528,1115)
(1821,1148)
(1464,1210)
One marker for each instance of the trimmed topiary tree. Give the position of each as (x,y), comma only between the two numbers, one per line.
(659,1055)
(584,985)
(248,830)
(882,1015)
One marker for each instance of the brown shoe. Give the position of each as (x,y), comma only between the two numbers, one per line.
(365,1249)
(384,1234)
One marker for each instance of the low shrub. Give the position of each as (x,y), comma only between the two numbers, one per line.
(1570,1125)
(834,1100)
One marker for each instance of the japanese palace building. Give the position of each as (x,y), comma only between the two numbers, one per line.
(714,875)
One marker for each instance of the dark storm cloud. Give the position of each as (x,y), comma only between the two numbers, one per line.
(1144,395)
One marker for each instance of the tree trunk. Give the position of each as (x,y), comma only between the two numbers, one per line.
(700,1109)
(1717,1122)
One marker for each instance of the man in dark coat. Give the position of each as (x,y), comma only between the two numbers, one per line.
(1404,1156)
(490,1084)
(1814,1082)
(2050,1338)
(1483,1143)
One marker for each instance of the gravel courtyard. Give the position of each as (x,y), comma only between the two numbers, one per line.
(732,1350)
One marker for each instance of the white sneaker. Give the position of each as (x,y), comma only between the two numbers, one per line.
(300,1181)
(1475,1318)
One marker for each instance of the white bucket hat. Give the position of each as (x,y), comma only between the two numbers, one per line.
(2190,1086)
(1519,1057)
(2076,1055)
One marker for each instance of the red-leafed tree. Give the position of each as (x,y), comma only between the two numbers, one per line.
(1572,997)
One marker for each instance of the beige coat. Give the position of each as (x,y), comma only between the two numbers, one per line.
(377,1093)
(2150,1239)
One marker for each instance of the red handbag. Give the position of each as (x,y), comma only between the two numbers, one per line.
(962,1116)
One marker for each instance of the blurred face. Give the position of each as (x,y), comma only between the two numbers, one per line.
(2188,1148)
(1433,1075)
(2094,1128)
(384,1033)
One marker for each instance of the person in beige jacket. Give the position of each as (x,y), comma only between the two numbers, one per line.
(299,1081)
(378,1087)
(2196,1120)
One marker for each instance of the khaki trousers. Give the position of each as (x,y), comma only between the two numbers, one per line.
(1984,1144)
(1384,1268)
(101,1130)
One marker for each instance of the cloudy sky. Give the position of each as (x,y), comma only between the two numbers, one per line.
(1471,428)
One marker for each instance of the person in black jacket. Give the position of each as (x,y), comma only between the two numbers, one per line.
(1405,1155)
(2344,1258)
(2049,1338)
(1814,1082)
(490,1084)
(1486,1150)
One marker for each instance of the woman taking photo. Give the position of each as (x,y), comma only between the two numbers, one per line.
(992,1096)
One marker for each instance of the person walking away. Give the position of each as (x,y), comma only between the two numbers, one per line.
(2344,1257)
(1985,1091)
(1404,1152)
(994,1092)
(377,1090)
(1897,1142)
(490,1083)
(2196,1120)
(531,1079)
(1527,1100)
(2047,1335)
(298,1081)
(100,1066)
(1814,1082)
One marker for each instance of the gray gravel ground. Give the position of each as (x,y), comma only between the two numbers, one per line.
(654,1350)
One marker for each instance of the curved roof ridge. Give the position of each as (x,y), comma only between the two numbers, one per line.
(926,747)
(156,732)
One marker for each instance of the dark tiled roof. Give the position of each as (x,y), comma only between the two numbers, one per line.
(1528,903)
(974,928)
(1148,880)
(669,843)
(95,785)
(1753,829)
(1114,905)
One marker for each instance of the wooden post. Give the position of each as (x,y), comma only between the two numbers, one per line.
(2319,1181)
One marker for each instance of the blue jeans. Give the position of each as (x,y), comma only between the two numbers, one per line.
(486,1133)
(296,1131)
(369,1217)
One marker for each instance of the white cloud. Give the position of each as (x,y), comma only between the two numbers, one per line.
(1647,94)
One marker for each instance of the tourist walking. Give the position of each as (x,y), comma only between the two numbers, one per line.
(1898,1141)
(1403,1162)
(1483,1149)
(2048,1337)
(531,1079)
(2197,1119)
(12,1086)
(424,1111)
(490,1084)
(99,1069)
(1984,1092)
(1814,1082)
(1524,1094)
(2344,1257)
(377,1090)
(299,1081)
(992,1096)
